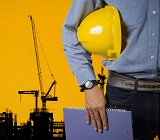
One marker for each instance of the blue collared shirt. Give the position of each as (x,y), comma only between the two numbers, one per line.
(140,27)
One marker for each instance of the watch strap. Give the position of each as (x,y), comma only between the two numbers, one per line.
(83,87)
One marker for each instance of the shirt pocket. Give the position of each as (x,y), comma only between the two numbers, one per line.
(133,12)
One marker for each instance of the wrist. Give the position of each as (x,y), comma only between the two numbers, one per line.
(88,85)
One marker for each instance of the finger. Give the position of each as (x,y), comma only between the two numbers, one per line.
(104,118)
(98,120)
(88,117)
(93,120)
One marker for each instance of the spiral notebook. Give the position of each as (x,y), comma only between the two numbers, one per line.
(119,120)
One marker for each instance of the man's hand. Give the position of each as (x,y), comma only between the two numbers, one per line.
(95,108)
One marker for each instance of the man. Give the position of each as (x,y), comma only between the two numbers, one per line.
(133,80)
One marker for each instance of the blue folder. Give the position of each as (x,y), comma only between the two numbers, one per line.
(120,125)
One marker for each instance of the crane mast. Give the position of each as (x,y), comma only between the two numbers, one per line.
(44,97)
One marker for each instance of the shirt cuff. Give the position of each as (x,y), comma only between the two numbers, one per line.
(84,75)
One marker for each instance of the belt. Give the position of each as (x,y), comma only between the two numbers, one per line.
(130,83)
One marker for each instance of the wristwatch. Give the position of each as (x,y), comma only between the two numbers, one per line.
(88,85)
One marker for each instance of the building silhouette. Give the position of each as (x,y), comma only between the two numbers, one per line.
(40,125)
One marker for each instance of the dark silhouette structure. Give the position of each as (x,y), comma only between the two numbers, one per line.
(101,80)
(39,126)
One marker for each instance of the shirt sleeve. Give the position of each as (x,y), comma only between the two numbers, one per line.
(78,58)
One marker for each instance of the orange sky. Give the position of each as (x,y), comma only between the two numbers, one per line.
(18,69)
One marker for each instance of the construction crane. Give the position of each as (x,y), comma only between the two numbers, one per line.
(44,96)
(35,93)
(101,80)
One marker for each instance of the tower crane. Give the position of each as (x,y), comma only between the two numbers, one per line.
(35,93)
(44,96)
(42,120)
(101,80)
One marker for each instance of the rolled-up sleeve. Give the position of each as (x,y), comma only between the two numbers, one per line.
(78,58)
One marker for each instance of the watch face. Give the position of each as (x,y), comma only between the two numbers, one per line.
(88,84)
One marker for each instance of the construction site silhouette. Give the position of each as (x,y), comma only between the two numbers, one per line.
(39,126)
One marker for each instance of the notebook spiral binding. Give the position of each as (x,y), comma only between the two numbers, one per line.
(107,109)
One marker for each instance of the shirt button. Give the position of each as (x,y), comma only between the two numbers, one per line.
(153,34)
(152,56)
(154,12)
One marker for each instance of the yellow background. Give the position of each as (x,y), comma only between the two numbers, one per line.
(18,69)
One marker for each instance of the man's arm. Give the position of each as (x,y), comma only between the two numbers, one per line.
(80,60)
(95,108)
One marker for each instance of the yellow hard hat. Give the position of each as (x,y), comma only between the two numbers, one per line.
(100,33)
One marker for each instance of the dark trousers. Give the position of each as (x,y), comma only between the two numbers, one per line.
(145,109)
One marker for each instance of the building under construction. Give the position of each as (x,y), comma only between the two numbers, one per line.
(39,126)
